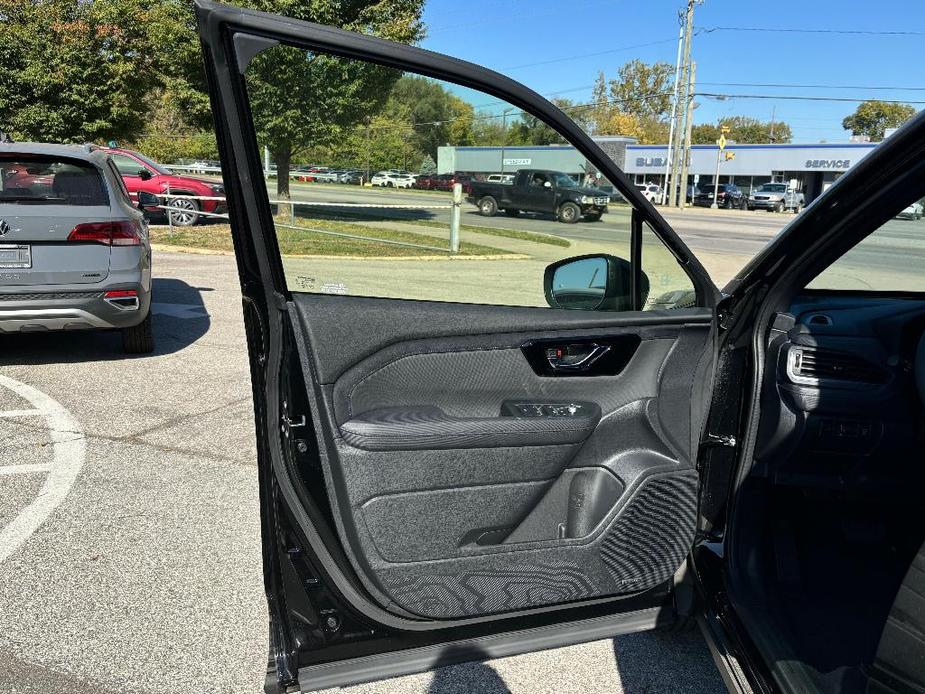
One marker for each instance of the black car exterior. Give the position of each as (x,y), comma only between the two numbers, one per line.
(543,191)
(324,628)
(728,196)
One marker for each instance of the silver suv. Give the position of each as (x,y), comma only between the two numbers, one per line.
(776,197)
(74,251)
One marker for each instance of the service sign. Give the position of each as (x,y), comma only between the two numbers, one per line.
(518,162)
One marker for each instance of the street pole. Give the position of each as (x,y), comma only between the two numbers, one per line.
(673,119)
(676,185)
(504,134)
(719,153)
(686,149)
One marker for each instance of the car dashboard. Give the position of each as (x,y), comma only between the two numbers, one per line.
(840,402)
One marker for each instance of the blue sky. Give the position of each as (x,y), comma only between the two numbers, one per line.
(511,36)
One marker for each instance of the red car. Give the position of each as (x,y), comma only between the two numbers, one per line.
(444,182)
(143,174)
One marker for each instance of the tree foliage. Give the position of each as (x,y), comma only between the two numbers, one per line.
(872,118)
(636,103)
(302,99)
(742,129)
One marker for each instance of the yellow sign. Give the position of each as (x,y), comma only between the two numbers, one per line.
(730,156)
(721,142)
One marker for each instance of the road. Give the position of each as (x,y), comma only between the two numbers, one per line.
(892,258)
(144,575)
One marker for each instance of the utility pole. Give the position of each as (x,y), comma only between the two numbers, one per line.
(674,118)
(772,124)
(504,134)
(686,149)
(678,188)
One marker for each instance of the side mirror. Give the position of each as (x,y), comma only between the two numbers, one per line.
(148,202)
(144,174)
(547,184)
(593,282)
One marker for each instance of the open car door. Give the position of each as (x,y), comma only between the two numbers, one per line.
(455,463)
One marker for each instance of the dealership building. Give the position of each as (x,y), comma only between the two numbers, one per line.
(813,167)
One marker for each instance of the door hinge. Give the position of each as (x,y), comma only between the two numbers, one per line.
(724,440)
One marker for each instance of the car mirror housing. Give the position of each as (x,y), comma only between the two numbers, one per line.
(144,174)
(592,282)
(148,202)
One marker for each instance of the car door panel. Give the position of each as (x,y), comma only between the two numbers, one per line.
(460,511)
(409,518)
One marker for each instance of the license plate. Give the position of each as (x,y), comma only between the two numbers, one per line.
(14,256)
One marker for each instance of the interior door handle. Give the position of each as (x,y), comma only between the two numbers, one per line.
(575,357)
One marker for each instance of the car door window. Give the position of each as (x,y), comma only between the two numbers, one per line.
(394,241)
(888,260)
(126,165)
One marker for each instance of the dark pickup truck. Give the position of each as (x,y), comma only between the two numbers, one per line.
(539,190)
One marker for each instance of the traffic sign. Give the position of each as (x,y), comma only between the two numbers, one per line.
(721,142)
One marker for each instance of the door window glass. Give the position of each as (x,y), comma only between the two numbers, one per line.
(126,165)
(389,233)
(891,259)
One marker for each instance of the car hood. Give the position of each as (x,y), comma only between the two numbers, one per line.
(769,194)
(596,192)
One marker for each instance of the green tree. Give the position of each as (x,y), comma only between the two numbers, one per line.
(302,99)
(78,71)
(742,129)
(638,100)
(67,74)
(432,110)
(872,118)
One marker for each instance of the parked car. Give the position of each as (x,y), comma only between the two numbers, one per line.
(913,211)
(426,181)
(650,191)
(393,179)
(540,190)
(142,174)
(74,248)
(443,481)
(351,176)
(776,197)
(728,196)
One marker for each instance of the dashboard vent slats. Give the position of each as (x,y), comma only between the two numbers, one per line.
(825,364)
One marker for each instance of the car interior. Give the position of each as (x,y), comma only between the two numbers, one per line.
(834,493)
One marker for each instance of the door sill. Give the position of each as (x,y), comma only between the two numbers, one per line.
(415,660)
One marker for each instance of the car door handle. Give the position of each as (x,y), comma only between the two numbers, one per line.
(575,357)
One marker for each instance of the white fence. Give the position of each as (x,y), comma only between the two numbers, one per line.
(454,207)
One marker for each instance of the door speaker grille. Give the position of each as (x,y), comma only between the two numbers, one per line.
(654,533)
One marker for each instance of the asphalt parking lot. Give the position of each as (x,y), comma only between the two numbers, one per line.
(141,571)
(129,545)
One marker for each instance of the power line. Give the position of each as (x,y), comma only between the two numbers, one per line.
(579,56)
(851,32)
(797,97)
(814,86)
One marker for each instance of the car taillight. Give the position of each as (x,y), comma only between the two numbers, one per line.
(120,294)
(123,233)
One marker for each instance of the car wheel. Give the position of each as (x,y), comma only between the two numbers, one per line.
(488,207)
(798,208)
(139,339)
(569,213)
(512,213)
(728,203)
(183,212)
(779,207)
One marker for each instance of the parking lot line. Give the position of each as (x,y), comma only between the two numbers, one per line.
(20,413)
(69,451)
(24,469)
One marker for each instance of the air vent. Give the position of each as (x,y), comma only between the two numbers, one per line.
(806,365)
